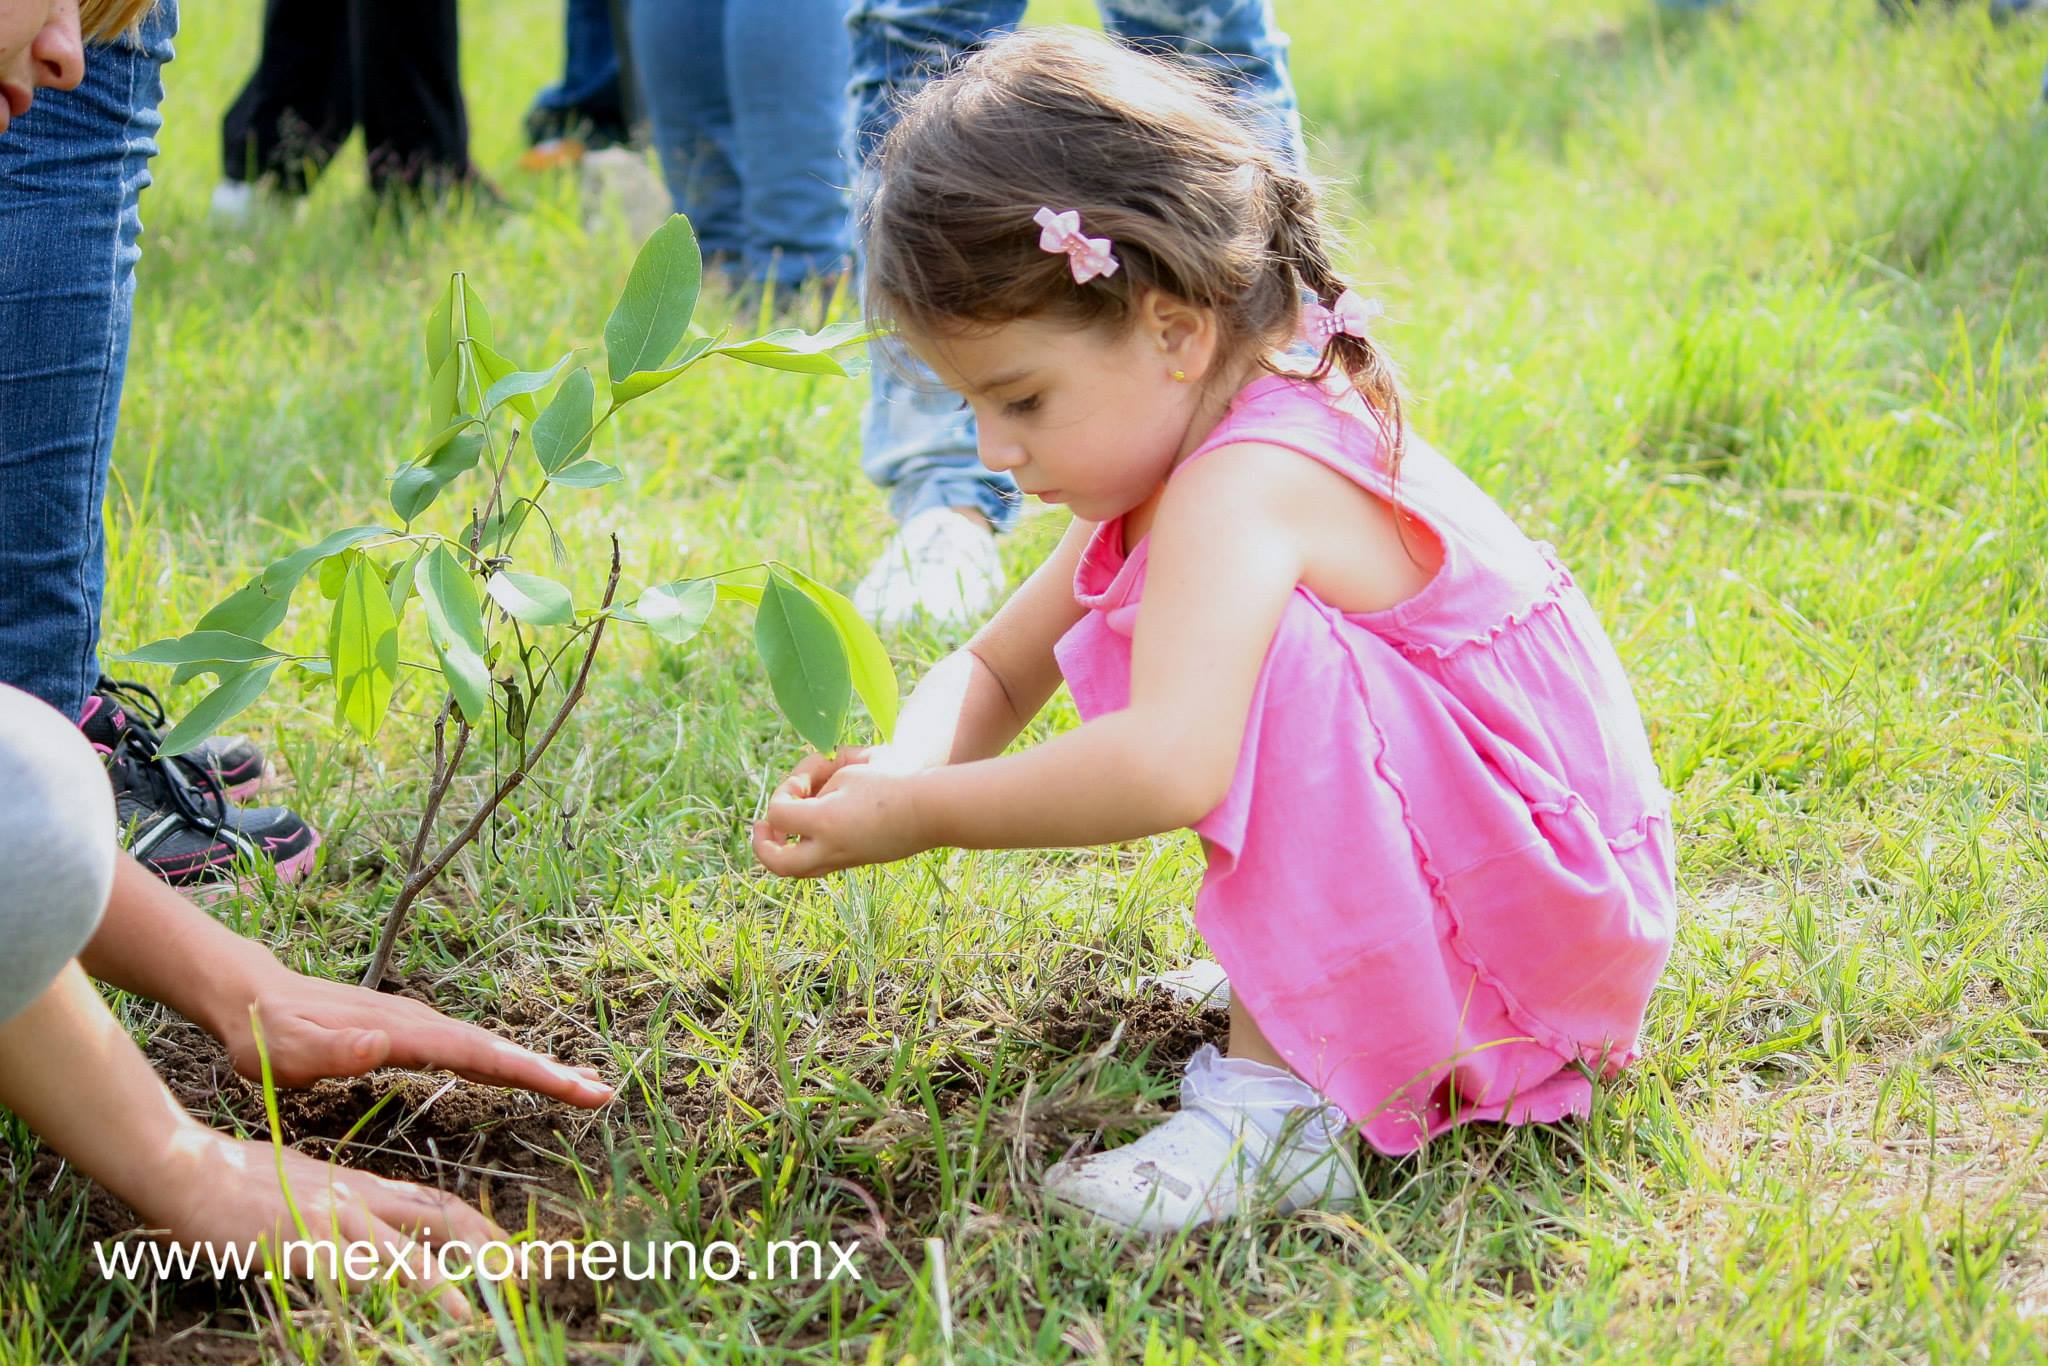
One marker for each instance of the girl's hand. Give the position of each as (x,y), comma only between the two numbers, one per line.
(225,1192)
(816,771)
(860,815)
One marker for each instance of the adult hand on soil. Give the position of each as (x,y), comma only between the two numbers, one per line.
(859,816)
(314,1028)
(227,1193)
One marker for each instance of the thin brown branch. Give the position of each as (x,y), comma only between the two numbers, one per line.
(418,878)
(444,777)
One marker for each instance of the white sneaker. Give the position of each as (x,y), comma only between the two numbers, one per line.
(939,565)
(240,203)
(1248,1136)
(1201,983)
(233,202)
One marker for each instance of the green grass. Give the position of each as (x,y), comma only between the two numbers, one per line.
(1750,318)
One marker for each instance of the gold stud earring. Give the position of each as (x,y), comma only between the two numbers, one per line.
(1180,377)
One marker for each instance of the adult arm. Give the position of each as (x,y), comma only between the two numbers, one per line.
(73,1075)
(154,942)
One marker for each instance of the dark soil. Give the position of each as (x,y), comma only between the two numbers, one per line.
(525,1160)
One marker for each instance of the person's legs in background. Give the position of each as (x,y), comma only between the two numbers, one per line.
(586,108)
(918,442)
(917,439)
(748,110)
(408,84)
(679,57)
(72,172)
(1238,38)
(786,64)
(296,111)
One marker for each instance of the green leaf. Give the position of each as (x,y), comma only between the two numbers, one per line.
(248,611)
(502,526)
(531,598)
(281,578)
(807,666)
(748,593)
(660,295)
(458,455)
(562,431)
(236,691)
(450,454)
(332,574)
(492,369)
(519,386)
(676,611)
(792,348)
(363,643)
(874,677)
(440,337)
(476,320)
(515,710)
(401,580)
(413,491)
(444,390)
(586,474)
(455,625)
(647,381)
(202,647)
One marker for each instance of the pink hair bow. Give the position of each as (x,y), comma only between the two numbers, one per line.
(1350,316)
(1088,256)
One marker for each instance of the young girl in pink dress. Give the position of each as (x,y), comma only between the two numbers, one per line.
(1439,855)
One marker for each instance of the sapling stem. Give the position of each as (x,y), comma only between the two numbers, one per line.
(418,878)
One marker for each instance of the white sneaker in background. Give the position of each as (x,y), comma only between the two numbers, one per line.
(1201,983)
(1248,1137)
(233,202)
(939,565)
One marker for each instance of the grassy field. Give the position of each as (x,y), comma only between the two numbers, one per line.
(1749,317)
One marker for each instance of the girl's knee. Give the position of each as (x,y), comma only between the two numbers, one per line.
(57,844)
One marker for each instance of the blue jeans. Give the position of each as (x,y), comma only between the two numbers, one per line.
(590,60)
(749,116)
(917,442)
(72,171)
(590,99)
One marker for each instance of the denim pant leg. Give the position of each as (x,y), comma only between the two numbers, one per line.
(678,52)
(917,438)
(786,65)
(1238,38)
(590,60)
(72,171)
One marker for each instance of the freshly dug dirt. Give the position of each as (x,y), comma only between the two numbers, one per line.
(527,1160)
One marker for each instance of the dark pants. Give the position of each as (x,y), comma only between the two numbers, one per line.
(329,65)
(590,102)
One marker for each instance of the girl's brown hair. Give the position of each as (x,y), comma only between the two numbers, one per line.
(104,19)
(1154,155)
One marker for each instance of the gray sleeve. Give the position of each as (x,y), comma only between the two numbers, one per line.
(56,846)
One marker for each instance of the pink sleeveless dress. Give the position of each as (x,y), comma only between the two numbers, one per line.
(1442,880)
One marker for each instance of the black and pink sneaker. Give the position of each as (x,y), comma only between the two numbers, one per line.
(174,812)
(235,761)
